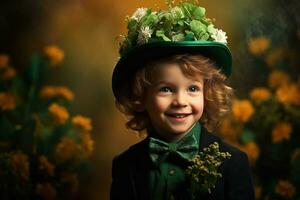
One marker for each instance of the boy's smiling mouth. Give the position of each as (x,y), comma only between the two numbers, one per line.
(178,115)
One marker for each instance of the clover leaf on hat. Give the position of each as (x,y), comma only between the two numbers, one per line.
(184,22)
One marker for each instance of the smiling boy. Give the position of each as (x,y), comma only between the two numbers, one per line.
(176,91)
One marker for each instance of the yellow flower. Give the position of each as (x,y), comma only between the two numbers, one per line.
(54,54)
(66,149)
(4,60)
(252,150)
(54,91)
(229,130)
(278,78)
(275,55)
(48,92)
(258,45)
(7,101)
(285,189)
(8,74)
(46,166)
(288,94)
(82,122)
(46,191)
(281,131)
(59,113)
(71,181)
(20,164)
(260,94)
(65,93)
(242,110)
(87,143)
(258,190)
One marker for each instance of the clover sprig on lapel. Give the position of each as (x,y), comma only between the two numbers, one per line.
(203,169)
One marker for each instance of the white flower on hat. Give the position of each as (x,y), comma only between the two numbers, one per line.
(139,13)
(144,35)
(219,36)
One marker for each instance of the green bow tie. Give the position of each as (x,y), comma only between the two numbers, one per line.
(160,150)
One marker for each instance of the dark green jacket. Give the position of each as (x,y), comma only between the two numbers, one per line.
(130,173)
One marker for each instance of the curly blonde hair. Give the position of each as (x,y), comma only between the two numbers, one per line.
(217,95)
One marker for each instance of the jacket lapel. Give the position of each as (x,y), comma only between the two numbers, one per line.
(206,139)
(140,171)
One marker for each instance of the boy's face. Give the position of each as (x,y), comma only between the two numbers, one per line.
(174,102)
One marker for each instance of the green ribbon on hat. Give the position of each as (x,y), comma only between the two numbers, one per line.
(185,148)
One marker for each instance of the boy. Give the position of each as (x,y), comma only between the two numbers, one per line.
(170,80)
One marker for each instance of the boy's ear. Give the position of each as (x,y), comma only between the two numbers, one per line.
(139,106)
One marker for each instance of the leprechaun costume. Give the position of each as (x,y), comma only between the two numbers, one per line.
(153,168)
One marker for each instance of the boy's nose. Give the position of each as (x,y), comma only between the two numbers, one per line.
(180,99)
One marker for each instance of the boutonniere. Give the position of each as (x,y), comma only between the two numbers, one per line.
(203,169)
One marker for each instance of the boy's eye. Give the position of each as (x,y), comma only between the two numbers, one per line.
(193,88)
(165,89)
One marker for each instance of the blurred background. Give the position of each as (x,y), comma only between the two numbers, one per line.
(86,30)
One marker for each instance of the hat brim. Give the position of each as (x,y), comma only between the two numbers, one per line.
(134,59)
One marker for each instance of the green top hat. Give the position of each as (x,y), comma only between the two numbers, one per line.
(181,29)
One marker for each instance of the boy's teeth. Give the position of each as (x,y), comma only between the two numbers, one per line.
(179,116)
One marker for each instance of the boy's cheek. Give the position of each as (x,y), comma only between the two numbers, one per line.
(198,102)
(198,107)
(162,104)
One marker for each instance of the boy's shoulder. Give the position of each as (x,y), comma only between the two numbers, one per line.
(236,154)
(133,152)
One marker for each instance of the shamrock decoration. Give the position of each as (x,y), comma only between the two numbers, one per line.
(183,22)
